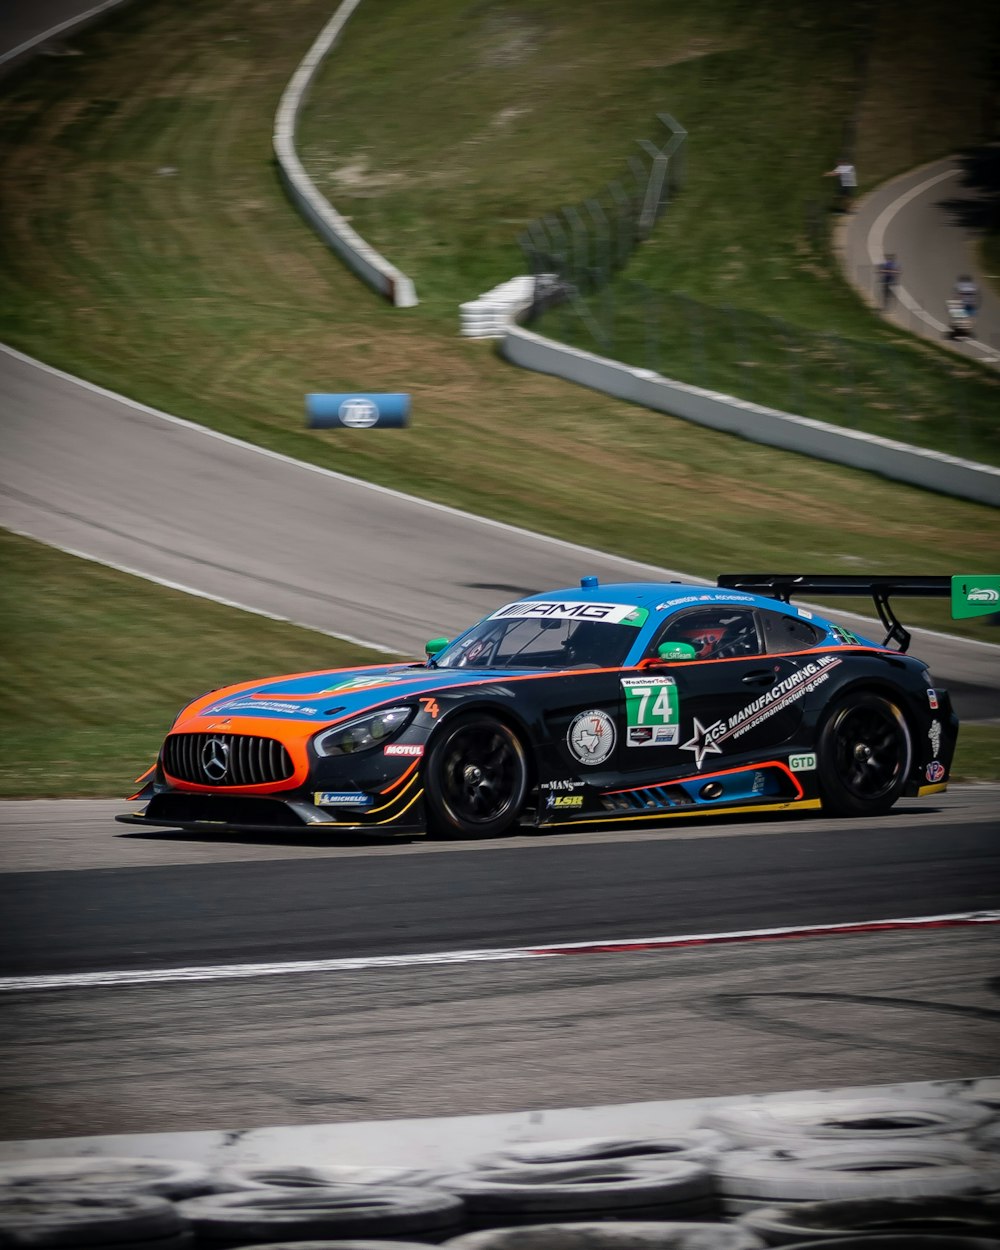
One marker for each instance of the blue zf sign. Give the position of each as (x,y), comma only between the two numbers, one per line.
(357,411)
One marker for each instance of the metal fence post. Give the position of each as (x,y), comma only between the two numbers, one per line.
(581,248)
(623,206)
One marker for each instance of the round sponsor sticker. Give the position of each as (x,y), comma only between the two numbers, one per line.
(359,413)
(591,737)
(935,771)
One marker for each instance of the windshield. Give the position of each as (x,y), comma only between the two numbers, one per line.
(543,642)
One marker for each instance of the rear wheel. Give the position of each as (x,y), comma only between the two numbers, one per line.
(476,778)
(864,755)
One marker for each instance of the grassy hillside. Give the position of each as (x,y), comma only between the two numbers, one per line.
(535,107)
(90,688)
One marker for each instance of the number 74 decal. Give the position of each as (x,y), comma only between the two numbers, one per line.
(652,711)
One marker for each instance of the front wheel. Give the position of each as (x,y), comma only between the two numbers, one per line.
(864,755)
(476,778)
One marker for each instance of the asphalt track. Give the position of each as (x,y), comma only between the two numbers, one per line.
(931,218)
(445,1039)
(400,1023)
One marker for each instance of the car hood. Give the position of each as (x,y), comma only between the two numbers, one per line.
(332,695)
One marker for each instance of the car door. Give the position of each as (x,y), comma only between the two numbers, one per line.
(715,711)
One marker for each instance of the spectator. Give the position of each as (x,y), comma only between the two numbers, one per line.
(967,292)
(888,276)
(847,181)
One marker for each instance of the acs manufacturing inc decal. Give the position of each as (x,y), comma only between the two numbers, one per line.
(706,739)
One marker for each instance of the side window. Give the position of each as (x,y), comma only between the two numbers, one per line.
(720,632)
(789,633)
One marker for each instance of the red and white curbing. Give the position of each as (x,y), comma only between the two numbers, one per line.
(222,972)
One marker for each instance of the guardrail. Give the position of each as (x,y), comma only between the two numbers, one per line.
(917,466)
(370,265)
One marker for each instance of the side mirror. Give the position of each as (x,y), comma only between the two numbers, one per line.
(434,647)
(676,651)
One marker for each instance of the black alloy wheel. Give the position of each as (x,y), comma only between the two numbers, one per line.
(865,755)
(476,778)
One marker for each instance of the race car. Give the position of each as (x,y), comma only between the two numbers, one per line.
(635,702)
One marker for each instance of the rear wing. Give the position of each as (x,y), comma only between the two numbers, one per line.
(827,585)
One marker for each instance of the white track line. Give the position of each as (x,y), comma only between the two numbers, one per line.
(223,972)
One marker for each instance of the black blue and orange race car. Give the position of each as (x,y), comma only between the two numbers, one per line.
(596,704)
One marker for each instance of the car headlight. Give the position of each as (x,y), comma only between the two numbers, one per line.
(370,730)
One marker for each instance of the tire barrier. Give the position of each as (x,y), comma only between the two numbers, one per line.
(745,1179)
(907,1242)
(57,1217)
(847,1120)
(252,1216)
(163,1178)
(352,1244)
(824,1221)
(987,1137)
(301,1176)
(696,1145)
(627,1235)
(573,1192)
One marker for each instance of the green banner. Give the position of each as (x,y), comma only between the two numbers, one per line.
(977,595)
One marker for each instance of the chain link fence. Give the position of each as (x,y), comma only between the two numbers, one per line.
(577,250)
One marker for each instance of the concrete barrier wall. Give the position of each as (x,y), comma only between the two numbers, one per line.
(370,266)
(918,466)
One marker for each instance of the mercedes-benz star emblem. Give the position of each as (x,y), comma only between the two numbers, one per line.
(215,759)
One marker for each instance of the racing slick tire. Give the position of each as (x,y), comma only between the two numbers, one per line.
(810,1172)
(59,1216)
(695,1145)
(475,778)
(502,1197)
(251,1216)
(830,1221)
(852,1121)
(305,1176)
(103,1174)
(864,755)
(908,1241)
(627,1235)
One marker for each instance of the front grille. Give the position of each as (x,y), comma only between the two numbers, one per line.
(222,759)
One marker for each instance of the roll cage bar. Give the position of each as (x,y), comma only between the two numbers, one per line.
(828,585)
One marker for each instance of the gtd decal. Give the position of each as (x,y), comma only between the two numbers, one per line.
(591,737)
(801,763)
(414,749)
